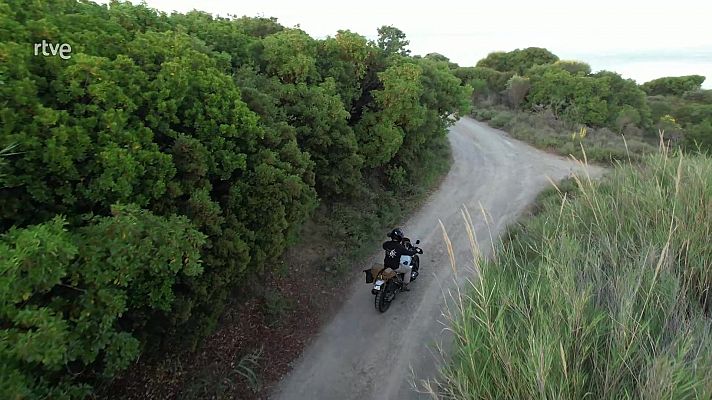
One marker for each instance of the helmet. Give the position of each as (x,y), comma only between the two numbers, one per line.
(396,234)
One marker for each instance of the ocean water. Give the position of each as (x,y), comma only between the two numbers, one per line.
(649,65)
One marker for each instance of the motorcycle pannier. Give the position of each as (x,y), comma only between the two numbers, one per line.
(369,275)
(372,274)
(388,273)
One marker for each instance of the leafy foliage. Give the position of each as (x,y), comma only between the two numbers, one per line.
(691,114)
(699,136)
(623,94)
(536,80)
(574,97)
(345,57)
(574,67)
(518,61)
(673,85)
(171,160)
(517,89)
(392,40)
(289,55)
(71,300)
(485,81)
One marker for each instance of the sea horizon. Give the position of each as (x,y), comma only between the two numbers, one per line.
(646,65)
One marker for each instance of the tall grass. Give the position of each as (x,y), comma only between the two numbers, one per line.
(602,296)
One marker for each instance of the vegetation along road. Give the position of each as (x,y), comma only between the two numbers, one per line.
(363,354)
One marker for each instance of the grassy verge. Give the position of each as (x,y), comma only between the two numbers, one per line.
(544,131)
(604,295)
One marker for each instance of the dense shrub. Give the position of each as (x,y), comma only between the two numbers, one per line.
(222,133)
(699,136)
(517,89)
(537,80)
(574,67)
(501,119)
(673,85)
(79,301)
(486,82)
(518,61)
(685,117)
(483,114)
(622,95)
(580,99)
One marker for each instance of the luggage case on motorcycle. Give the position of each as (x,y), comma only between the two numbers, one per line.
(388,273)
(373,272)
(369,276)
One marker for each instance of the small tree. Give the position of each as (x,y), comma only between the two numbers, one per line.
(700,136)
(627,117)
(518,61)
(574,67)
(517,89)
(673,85)
(670,128)
(392,40)
(479,89)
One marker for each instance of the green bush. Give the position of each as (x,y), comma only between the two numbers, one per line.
(517,61)
(699,136)
(576,98)
(567,89)
(517,89)
(484,114)
(396,176)
(603,296)
(627,116)
(574,67)
(673,85)
(522,131)
(486,82)
(685,117)
(622,94)
(233,127)
(74,303)
(501,119)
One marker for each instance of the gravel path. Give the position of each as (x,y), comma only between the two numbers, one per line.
(362,354)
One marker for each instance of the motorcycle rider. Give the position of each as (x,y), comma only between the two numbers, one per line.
(394,250)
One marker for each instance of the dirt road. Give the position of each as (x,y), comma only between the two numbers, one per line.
(362,354)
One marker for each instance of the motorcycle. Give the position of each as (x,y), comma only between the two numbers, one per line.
(387,283)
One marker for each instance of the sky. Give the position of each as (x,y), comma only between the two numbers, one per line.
(640,40)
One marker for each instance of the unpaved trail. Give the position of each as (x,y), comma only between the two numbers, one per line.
(363,354)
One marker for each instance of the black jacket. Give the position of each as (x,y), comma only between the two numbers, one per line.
(394,251)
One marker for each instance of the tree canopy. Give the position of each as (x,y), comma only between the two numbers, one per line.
(518,61)
(673,85)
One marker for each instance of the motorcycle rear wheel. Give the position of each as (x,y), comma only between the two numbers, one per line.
(382,304)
